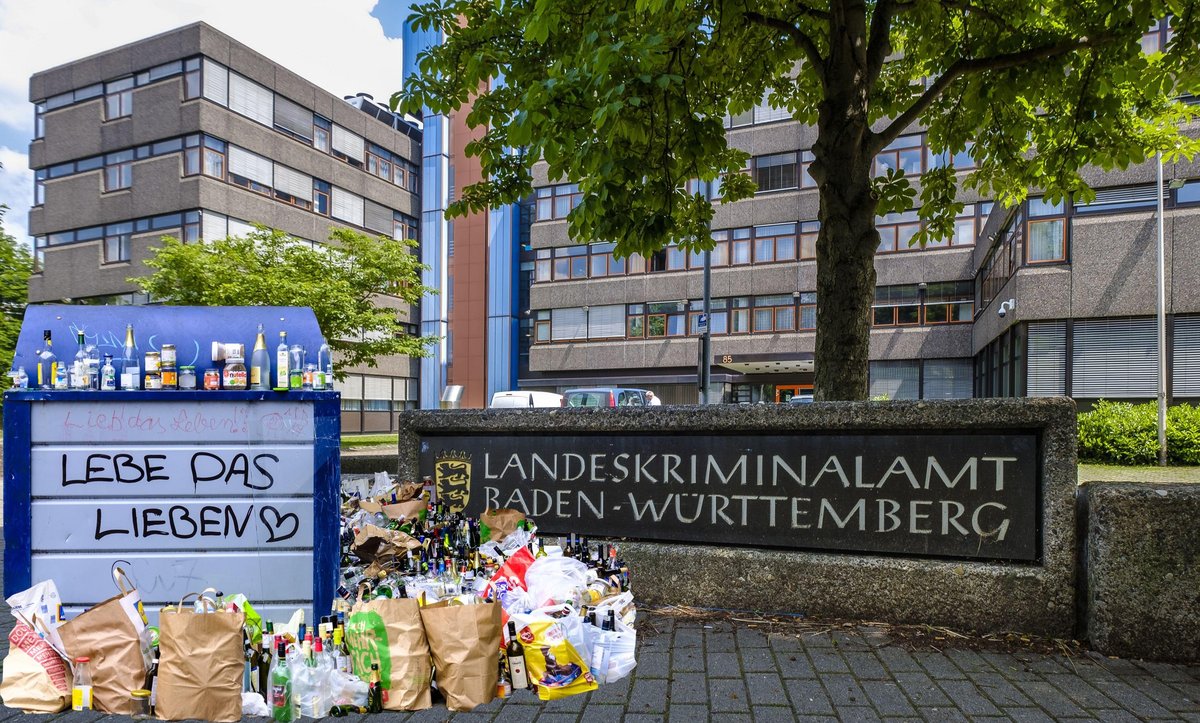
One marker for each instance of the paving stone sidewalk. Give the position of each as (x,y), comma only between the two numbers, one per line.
(694,671)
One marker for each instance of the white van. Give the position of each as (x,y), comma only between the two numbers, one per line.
(525,400)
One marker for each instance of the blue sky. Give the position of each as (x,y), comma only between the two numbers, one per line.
(345,46)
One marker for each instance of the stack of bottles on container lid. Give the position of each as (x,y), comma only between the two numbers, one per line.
(126,368)
(566,606)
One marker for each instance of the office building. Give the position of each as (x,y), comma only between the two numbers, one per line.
(1077,282)
(194,135)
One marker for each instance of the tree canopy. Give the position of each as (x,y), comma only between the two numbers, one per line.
(347,283)
(628,100)
(16,264)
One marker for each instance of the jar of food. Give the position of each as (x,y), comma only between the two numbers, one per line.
(153,380)
(167,355)
(187,377)
(170,377)
(139,704)
(235,373)
(153,362)
(212,379)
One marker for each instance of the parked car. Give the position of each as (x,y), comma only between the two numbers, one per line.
(801,399)
(606,397)
(525,400)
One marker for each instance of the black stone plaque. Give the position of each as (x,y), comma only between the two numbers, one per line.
(970,496)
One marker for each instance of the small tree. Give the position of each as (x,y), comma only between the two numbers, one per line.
(16,264)
(346,283)
(627,99)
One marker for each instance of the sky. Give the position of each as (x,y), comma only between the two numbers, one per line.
(344,46)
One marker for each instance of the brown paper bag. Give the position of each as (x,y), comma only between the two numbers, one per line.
(201,660)
(501,522)
(36,679)
(373,542)
(465,643)
(408,510)
(389,633)
(109,634)
(409,491)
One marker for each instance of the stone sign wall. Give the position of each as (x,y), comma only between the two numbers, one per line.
(954,513)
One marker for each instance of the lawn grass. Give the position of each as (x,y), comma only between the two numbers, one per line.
(358,441)
(1152,474)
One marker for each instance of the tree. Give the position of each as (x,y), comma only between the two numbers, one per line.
(16,264)
(344,283)
(627,99)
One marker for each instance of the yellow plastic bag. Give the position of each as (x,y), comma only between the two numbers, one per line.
(554,665)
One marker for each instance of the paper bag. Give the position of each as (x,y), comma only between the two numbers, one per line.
(465,643)
(200,666)
(36,679)
(500,523)
(373,542)
(109,633)
(389,634)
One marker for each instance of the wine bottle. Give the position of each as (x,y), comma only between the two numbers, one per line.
(515,654)
(281,686)
(375,691)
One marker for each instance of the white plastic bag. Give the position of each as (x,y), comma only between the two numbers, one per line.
(555,580)
(613,655)
(254,705)
(348,689)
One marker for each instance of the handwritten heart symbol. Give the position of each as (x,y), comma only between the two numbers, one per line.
(281,521)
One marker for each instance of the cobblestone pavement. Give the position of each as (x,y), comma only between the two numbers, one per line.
(694,671)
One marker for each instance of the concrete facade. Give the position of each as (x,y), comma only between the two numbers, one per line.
(181,95)
(1076,316)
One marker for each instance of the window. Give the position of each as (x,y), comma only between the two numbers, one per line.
(1190,193)
(555,202)
(251,100)
(808,239)
(906,153)
(39,121)
(347,206)
(250,170)
(543,267)
(293,187)
(961,160)
(635,321)
(740,247)
(214,158)
(806,161)
(965,226)
(191,227)
(1046,232)
(321,194)
(1119,199)
(603,263)
(118,170)
(808,310)
(118,98)
(39,187)
(321,133)
(896,306)
(774,313)
(379,162)
(765,112)
(350,147)
(191,78)
(896,231)
(403,227)
(570,262)
(739,315)
(949,302)
(405,174)
(1155,39)
(775,243)
(116,242)
(776,172)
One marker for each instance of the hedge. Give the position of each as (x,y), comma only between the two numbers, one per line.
(1124,433)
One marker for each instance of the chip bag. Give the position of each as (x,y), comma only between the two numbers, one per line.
(554,665)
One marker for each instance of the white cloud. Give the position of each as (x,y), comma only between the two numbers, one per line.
(16,192)
(338,46)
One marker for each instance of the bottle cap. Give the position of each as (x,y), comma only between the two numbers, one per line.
(139,693)
(83,659)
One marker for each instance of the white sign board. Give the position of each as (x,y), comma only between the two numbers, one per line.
(183,495)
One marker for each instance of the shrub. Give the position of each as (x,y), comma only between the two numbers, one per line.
(1124,433)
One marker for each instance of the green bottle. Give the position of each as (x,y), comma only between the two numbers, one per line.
(281,686)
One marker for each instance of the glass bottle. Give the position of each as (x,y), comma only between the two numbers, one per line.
(295,367)
(47,366)
(131,372)
(514,652)
(260,363)
(375,691)
(21,379)
(81,692)
(309,382)
(281,362)
(325,366)
(281,686)
(79,369)
(108,375)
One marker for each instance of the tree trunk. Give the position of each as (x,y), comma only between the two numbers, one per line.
(847,240)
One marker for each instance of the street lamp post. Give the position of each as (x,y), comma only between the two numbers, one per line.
(1162,313)
(705,375)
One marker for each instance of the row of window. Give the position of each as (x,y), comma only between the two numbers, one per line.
(949,302)
(1036,233)
(213,81)
(213,157)
(774,243)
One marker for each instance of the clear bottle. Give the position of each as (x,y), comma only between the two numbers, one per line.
(296,367)
(131,371)
(81,692)
(93,361)
(260,363)
(108,375)
(47,365)
(325,366)
(79,369)
(282,358)
(309,381)
(62,376)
